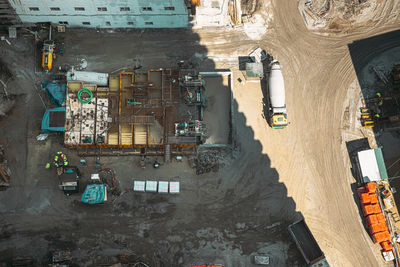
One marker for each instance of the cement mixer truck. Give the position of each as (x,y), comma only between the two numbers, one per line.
(277,105)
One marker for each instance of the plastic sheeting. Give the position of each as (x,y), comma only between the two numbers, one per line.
(47,126)
(94,194)
(56,92)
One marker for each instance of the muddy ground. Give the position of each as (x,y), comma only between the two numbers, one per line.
(270,179)
(217,218)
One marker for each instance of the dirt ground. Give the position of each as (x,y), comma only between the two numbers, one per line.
(269,180)
(343,16)
(217,113)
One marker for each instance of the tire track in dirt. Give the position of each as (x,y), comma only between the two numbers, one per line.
(318,71)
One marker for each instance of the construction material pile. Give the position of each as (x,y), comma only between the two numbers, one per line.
(107,177)
(248,6)
(86,119)
(206,162)
(6,100)
(61,258)
(6,103)
(4,171)
(338,15)
(374,216)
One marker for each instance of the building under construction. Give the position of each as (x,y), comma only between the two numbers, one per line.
(158,109)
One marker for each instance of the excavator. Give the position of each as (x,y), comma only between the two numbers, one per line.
(48,53)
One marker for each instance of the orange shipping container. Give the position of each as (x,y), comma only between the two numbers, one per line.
(371,187)
(365,198)
(381,217)
(381,237)
(383,226)
(378,227)
(373,198)
(372,219)
(368,209)
(377,208)
(386,246)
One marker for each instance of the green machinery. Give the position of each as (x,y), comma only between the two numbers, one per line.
(192,86)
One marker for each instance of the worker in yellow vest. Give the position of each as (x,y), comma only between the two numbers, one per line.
(60,159)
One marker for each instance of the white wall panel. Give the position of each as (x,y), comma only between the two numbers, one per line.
(159,16)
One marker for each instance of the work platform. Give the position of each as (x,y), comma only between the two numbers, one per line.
(135,110)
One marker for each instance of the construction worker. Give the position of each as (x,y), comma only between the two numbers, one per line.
(56,161)
(60,159)
(377,115)
(379,95)
(64,159)
(47,165)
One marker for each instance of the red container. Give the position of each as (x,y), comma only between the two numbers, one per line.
(386,246)
(361,190)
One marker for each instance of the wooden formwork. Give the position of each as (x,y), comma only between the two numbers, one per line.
(141,113)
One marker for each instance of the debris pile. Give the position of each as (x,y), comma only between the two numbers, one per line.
(337,15)
(107,177)
(6,104)
(6,100)
(4,171)
(206,162)
(120,260)
(61,258)
(318,8)
(248,6)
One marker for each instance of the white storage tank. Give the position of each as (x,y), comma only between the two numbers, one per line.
(97,78)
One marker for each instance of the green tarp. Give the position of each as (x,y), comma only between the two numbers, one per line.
(94,194)
(56,92)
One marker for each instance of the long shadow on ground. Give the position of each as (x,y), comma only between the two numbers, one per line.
(221,217)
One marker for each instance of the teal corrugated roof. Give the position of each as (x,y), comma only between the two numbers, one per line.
(381,163)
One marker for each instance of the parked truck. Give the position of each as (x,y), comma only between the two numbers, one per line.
(276,88)
(69,179)
(307,245)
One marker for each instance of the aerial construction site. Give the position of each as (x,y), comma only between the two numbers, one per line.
(199,133)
